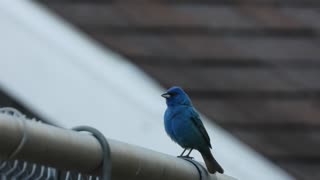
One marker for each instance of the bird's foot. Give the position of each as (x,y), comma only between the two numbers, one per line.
(185,157)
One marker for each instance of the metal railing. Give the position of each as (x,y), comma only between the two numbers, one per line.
(34,150)
(26,170)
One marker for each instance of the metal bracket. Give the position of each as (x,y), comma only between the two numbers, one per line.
(106,163)
(203,173)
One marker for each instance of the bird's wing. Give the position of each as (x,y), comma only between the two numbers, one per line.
(195,118)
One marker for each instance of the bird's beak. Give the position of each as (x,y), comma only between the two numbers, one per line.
(166,95)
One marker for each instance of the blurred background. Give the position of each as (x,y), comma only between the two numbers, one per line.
(250,66)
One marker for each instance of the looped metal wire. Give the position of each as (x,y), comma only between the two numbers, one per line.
(22,141)
(203,173)
(16,170)
(17,114)
(106,163)
(11,111)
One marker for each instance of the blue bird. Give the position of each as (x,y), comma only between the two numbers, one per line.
(184,126)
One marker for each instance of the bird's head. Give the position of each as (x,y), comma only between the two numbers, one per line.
(176,96)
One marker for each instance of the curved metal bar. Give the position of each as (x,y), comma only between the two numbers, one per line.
(14,167)
(34,168)
(203,173)
(41,174)
(3,165)
(49,174)
(22,171)
(106,163)
(68,176)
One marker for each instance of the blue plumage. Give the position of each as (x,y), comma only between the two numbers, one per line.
(184,126)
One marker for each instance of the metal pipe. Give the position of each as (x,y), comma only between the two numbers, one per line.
(70,150)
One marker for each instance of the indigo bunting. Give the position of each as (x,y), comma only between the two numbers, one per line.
(184,126)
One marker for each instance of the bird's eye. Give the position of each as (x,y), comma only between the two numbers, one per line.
(173,94)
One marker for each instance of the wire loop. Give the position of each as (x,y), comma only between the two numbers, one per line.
(106,163)
(203,173)
(22,119)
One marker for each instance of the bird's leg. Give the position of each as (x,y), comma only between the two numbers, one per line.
(187,156)
(181,155)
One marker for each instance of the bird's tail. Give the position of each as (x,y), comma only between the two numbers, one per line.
(212,165)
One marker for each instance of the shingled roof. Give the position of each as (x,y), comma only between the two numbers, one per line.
(250,65)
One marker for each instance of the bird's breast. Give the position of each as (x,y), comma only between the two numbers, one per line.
(171,116)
